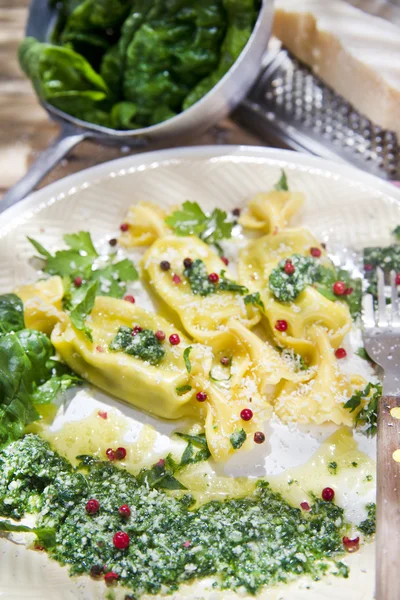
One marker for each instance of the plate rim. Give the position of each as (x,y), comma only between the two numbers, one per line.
(119,166)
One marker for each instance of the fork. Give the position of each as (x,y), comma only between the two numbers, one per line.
(381,333)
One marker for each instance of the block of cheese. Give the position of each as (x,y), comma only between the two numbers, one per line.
(354,52)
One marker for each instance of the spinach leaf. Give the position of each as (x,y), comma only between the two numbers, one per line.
(47,392)
(25,367)
(62,77)
(11,313)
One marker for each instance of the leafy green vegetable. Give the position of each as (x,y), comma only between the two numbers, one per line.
(142,344)
(44,535)
(333,467)
(11,313)
(240,18)
(191,220)
(367,399)
(183,389)
(186,353)
(226,285)
(63,78)
(26,370)
(190,457)
(81,311)
(362,353)
(52,388)
(255,300)
(282,184)
(238,438)
(161,476)
(368,525)
(79,261)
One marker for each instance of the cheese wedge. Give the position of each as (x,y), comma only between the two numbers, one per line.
(355,53)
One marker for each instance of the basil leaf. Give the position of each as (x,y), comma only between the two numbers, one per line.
(186,358)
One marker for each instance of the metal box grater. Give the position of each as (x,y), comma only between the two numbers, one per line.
(291,108)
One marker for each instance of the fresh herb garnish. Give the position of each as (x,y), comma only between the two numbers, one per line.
(368,525)
(142,344)
(197,276)
(80,261)
(238,438)
(282,184)
(296,360)
(191,220)
(333,467)
(362,353)
(11,313)
(368,399)
(180,390)
(81,311)
(186,353)
(255,300)
(286,287)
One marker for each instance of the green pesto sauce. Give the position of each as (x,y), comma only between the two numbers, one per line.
(368,525)
(197,277)
(143,344)
(286,287)
(243,543)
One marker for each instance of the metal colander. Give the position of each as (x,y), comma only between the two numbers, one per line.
(290,107)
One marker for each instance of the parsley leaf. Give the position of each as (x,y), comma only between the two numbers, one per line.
(79,314)
(186,358)
(282,184)
(227,285)
(367,416)
(79,261)
(191,220)
(255,300)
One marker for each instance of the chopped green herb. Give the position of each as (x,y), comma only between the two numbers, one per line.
(81,311)
(238,438)
(296,360)
(286,287)
(354,464)
(362,353)
(342,570)
(368,478)
(368,525)
(282,184)
(183,389)
(186,358)
(368,400)
(200,284)
(396,232)
(333,467)
(142,344)
(255,300)
(191,220)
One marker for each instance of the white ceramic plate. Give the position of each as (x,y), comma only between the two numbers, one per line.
(345,208)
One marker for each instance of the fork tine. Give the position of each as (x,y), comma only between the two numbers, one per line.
(368,311)
(395,299)
(382,317)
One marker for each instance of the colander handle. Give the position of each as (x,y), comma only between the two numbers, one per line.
(68,138)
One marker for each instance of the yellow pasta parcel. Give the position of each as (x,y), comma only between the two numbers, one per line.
(202,310)
(271,211)
(146,223)
(42,303)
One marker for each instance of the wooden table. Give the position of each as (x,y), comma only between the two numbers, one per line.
(25,129)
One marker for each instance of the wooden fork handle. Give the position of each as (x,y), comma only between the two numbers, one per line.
(388,500)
